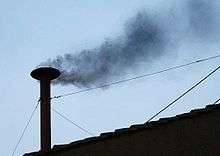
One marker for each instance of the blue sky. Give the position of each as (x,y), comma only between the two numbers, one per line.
(33,31)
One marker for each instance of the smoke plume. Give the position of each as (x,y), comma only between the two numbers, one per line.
(145,39)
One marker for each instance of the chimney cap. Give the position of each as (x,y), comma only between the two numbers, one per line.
(45,72)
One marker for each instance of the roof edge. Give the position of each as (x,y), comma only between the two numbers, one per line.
(131,129)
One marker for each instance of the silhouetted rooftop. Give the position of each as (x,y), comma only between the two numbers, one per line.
(131,129)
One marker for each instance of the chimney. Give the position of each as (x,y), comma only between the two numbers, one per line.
(45,75)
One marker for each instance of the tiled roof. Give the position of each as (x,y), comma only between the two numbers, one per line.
(131,129)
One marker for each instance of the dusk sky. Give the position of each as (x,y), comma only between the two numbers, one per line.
(31,32)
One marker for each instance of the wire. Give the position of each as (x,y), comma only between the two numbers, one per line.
(70,121)
(182,95)
(216,102)
(137,77)
(25,128)
(29,121)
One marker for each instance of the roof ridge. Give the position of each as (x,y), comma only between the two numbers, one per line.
(138,127)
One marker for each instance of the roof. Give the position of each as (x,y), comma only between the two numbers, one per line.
(132,129)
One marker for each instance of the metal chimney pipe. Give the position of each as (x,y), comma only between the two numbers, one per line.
(45,75)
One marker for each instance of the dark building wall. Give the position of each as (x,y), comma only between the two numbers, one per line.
(194,135)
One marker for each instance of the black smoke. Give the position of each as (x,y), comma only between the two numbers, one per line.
(145,39)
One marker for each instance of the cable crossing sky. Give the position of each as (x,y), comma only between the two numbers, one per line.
(182,95)
(25,128)
(137,77)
